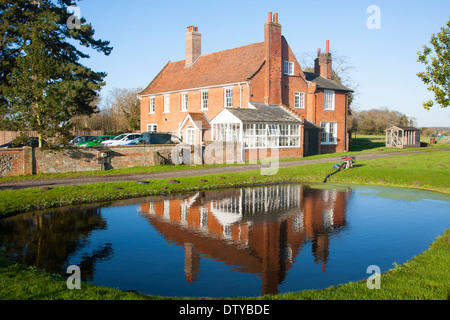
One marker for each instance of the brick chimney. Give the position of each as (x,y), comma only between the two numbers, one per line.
(322,64)
(274,63)
(193,45)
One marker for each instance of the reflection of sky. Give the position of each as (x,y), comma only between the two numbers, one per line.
(384,231)
(380,231)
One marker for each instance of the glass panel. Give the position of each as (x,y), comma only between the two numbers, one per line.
(161,139)
(204,99)
(294,141)
(324,133)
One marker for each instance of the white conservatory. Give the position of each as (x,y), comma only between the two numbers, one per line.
(259,126)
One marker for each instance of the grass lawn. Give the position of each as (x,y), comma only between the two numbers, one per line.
(425,277)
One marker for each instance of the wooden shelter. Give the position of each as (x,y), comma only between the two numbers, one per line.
(402,137)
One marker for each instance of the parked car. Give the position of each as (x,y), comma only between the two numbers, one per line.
(134,142)
(121,140)
(159,138)
(20,142)
(80,139)
(95,142)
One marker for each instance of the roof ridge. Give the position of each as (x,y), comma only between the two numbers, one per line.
(211,53)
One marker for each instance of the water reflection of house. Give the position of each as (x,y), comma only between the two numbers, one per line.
(258,230)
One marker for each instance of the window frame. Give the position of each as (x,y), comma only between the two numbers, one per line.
(190,134)
(184,102)
(328,136)
(301,100)
(154,125)
(203,100)
(271,135)
(288,68)
(166,107)
(328,104)
(151,105)
(226,98)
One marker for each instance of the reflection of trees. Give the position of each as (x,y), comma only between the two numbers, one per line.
(47,240)
(87,264)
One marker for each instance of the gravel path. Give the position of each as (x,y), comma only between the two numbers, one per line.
(38,183)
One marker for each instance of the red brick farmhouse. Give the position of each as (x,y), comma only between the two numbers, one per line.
(256,95)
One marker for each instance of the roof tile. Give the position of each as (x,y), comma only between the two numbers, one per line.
(223,67)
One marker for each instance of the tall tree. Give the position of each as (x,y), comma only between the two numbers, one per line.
(42,82)
(437,67)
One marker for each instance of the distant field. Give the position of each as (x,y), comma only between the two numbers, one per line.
(367,142)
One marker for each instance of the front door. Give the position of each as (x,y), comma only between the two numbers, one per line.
(190,135)
(311,142)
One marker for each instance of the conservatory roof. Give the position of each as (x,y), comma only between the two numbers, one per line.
(259,112)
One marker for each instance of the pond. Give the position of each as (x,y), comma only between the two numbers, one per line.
(234,242)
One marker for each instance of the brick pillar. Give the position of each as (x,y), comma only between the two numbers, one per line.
(28,155)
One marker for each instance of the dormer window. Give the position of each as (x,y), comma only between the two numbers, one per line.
(288,68)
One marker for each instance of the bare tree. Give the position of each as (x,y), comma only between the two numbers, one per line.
(376,121)
(124,108)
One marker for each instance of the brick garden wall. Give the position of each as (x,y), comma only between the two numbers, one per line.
(89,159)
(25,161)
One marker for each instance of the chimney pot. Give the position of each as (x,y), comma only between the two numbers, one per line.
(275,17)
(328,46)
(270,17)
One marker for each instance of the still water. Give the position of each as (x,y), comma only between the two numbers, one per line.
(229,243)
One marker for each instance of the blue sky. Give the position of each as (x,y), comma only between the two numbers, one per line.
(147,34)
